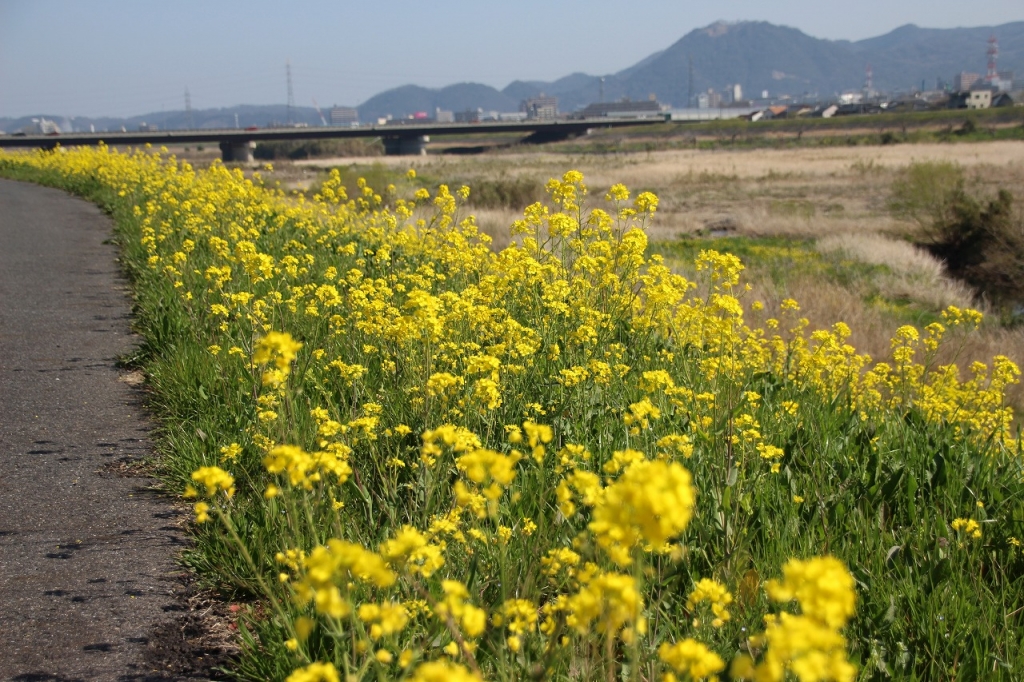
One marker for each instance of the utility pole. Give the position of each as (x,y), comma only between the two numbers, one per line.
(189,125)
(291,93)
(689,88)
(602,90)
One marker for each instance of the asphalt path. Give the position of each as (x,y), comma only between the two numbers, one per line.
(87,554)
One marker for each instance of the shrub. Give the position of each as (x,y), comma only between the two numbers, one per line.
(980,240)
(982,243)
(924,192)
(505,192)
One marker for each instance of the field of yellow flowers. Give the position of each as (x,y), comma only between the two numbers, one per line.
(416,458)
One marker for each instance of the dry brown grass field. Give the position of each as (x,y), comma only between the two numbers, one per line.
(786,192)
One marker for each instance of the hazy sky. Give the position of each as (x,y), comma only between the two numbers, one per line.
(127,57)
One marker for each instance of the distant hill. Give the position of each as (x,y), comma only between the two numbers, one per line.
(410,99)
(913,54)
(248,115)
(757,55)
(761,56)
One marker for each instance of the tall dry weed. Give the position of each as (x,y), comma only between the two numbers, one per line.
(913,273)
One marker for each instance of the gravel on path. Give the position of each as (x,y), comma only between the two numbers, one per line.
(88,578)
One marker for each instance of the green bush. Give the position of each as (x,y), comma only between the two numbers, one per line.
(980,240)
(982,243)
(925,193)
(516,193)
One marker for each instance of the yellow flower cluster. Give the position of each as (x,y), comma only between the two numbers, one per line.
(443,671)
(411,550)
(968,527)
(455,607)
(278,349)
(215,480)
(717,595)
(606,602)
(690,657)
(315,672)
(651,502)
(384,619)
(327,573)
(809,645)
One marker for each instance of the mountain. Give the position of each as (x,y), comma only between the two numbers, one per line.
(761,56)
(247,115)
(913,54)
(757,55)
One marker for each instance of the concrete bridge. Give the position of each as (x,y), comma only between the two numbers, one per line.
(399,138)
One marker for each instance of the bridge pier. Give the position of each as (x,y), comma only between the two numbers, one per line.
(237,151)
(406,146)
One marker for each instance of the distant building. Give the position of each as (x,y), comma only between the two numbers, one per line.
(1003,99)
(693,114)
(964,80)
(855,108)
(469,116)
(147,127)
(732,94)
(344,116)
(443,116)
(1002,82)
(622,109)
(542,108)
(979,99)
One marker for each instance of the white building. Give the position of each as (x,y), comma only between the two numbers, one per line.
(979,99)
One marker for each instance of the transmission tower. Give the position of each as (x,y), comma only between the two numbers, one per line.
(189,125)
(291,93)
(993,55)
